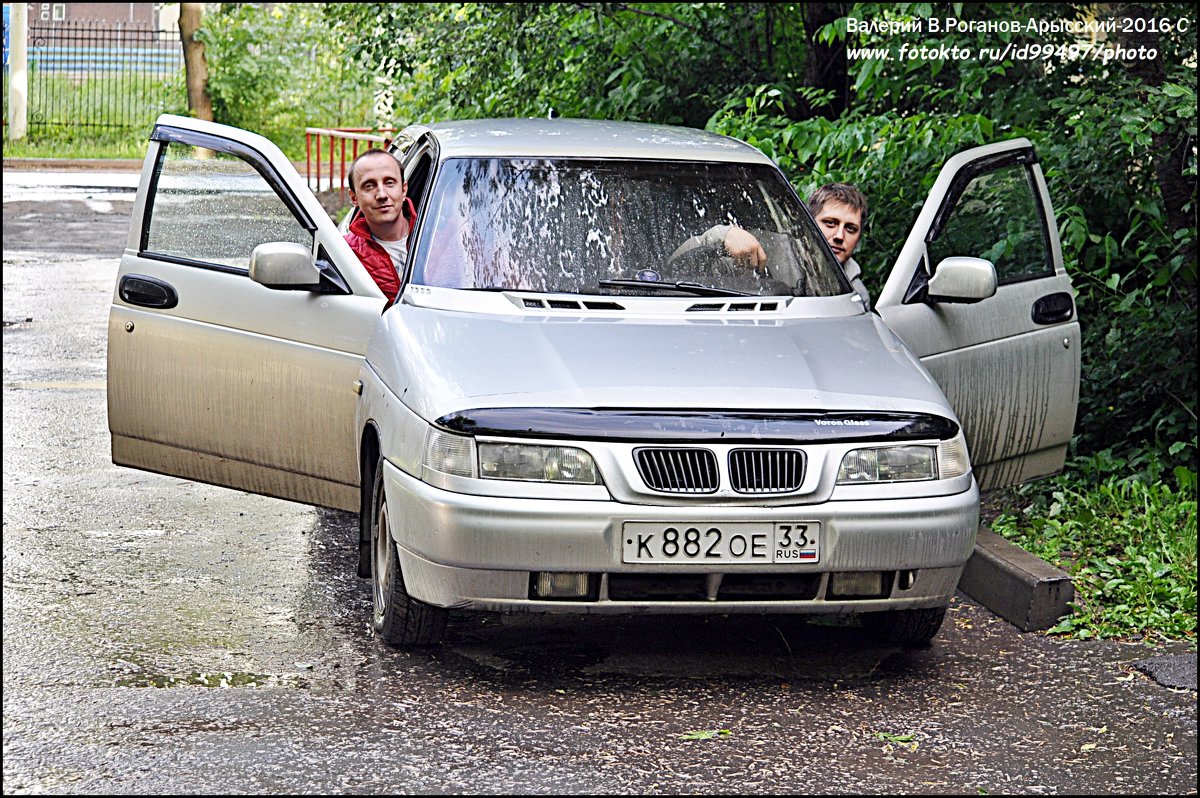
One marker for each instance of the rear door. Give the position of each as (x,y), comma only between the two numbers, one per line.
(1008,364)
(215,377)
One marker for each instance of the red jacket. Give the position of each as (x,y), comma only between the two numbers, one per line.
(375,257)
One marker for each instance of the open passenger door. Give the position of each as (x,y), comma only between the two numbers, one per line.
(1008,363)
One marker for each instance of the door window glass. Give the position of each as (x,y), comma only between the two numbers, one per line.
(997,218)
(216,209)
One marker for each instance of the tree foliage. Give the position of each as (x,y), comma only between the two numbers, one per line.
(670,62)
(279,68)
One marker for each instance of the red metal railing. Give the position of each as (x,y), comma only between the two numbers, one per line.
(313,143)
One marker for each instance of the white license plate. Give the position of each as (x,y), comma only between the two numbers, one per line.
(797,542)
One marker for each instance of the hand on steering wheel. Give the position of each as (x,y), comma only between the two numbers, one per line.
(744,248)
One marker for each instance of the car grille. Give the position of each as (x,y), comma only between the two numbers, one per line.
(766,470)
(678,470)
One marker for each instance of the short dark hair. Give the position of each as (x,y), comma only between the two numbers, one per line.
(839,192)
(365,154)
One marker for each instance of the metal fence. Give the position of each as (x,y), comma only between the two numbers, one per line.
(85,75)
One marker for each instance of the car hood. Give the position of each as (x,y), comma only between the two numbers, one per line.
(444,361)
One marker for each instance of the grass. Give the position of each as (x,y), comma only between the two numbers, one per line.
(129,145)
(1128,542)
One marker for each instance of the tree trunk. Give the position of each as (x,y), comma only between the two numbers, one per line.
(194,63)
(825,65)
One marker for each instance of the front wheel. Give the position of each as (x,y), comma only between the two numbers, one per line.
(397,617)
(909,628)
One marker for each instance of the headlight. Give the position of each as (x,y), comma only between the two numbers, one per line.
(888,464)
(905,463)
(536,463)
(449,454)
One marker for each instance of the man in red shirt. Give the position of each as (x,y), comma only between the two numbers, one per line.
(380,231)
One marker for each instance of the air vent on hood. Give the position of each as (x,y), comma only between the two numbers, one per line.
(568,304)
(714,307)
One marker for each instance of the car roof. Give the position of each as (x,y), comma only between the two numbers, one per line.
(583,138)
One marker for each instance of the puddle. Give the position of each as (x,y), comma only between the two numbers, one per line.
(216,680)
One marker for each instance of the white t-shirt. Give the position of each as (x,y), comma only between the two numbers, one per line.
(399,252)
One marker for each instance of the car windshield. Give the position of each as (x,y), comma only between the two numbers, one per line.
(617,227)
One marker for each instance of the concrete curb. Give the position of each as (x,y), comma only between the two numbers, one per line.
(1014,584)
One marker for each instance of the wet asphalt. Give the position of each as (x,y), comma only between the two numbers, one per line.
(165,636)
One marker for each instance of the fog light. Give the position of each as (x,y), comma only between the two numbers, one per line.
(856,584)
(550,585)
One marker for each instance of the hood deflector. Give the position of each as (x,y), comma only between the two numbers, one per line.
(683,426)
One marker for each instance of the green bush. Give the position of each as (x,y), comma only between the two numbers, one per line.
(278,68)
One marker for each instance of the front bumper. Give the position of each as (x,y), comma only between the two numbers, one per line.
(478,552)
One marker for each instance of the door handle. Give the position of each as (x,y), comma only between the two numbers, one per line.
(149,292)
(1054,308)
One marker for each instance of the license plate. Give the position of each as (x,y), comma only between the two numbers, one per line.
(797,542)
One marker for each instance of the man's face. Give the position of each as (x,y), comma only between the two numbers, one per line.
(380,190)
(842,226)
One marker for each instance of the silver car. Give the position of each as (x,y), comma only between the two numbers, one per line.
(576,405)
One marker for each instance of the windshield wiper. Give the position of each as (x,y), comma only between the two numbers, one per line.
(696,289)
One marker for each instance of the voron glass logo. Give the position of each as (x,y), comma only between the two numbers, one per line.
(841,422)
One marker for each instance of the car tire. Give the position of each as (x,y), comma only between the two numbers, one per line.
(397,617)
(909,628)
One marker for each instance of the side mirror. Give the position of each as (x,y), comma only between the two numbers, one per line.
(284,265)
(961,280)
